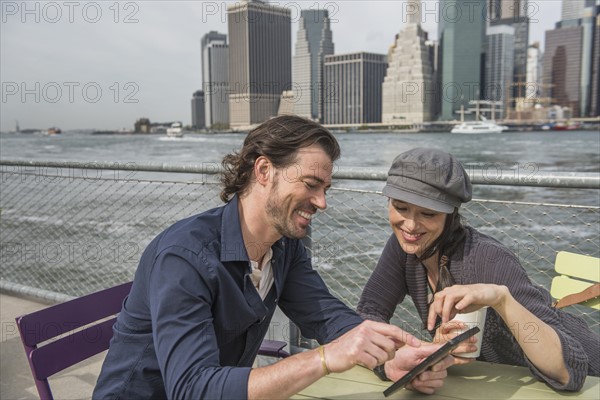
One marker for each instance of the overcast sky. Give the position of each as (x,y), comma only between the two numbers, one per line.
(103,64)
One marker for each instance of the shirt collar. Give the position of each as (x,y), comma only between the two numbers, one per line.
(232,242)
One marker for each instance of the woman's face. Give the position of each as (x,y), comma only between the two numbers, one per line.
(415,227)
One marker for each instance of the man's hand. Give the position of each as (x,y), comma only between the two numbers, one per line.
(406,358)
(369,344)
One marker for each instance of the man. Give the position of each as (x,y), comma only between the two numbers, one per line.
(206,288)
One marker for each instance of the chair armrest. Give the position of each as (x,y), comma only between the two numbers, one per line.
(273,348)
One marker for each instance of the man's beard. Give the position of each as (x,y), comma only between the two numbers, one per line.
(283,223)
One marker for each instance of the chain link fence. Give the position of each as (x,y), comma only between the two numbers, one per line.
(67,229)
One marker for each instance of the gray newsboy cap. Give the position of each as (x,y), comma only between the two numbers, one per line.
(428,178)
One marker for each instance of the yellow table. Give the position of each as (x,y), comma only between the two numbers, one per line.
(477,381)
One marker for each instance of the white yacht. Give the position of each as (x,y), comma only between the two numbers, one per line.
(477,127)
(176,130)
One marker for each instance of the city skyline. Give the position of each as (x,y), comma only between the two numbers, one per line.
(102,65)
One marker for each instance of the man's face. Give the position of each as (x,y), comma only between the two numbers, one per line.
(298,191)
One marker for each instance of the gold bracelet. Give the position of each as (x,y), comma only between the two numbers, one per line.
(323,362)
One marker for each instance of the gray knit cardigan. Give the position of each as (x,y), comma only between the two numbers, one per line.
(482,259)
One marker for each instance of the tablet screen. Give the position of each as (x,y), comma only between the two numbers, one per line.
(438,355)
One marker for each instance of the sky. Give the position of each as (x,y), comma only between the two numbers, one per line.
(104,64)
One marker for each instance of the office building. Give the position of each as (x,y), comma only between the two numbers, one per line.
(534,74)
(572,49)
(515,13)
(408,91)
(499,67)
(507,9)
(573,9)
(215,79)
(461,53)
(287,103)
(588,22)
(595,100)
(198,116)
(562,67)
(353,88)
(260,60)
(313,43)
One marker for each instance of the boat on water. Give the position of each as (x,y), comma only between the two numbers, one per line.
(53,131)
(175,130)
(562,126)
(478,127)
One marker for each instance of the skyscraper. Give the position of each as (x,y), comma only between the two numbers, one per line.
(499,66)
(570,59)
(534,74)
(312,45)
(573,9)
(215,78)
(353,84)
(514,13)
(506,9)
(461,50)
(408,88)
(588,22)
(562,67)
(260,60)
(198,120)
(595,101)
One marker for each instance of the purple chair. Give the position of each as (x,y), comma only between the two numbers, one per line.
(84,331)
(273,348)
(77,345)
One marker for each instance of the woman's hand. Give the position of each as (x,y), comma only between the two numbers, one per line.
(464,299)
(450,330)
(406,358)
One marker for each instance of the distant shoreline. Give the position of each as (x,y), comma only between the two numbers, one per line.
(513,129)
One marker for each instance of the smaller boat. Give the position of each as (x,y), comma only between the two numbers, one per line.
(478,127)
(569,126)
(53,131)
(175,130)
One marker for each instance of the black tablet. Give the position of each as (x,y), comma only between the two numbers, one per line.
(432,359)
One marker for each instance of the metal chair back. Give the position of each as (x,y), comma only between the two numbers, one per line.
(65,334)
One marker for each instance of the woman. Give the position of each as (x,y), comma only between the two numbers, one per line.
(446,268)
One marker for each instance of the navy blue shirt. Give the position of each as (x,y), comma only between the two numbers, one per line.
(193,322)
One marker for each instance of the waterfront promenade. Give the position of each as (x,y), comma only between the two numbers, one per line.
(16,381)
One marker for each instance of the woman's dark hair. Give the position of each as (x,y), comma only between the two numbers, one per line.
(447,243)
(278,139)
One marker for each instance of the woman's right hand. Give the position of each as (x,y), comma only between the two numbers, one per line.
(464,299)
(450,330)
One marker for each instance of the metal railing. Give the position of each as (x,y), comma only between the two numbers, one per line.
(67,229)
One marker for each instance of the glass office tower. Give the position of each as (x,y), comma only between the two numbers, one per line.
(462,33)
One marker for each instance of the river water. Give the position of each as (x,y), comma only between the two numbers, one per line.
(346,239)
(522,154)
(572,151)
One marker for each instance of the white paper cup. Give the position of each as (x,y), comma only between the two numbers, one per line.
(473,319)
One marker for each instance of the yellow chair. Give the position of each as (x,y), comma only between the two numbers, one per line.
(578,280)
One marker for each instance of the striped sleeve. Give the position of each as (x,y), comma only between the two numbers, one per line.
(386,287)
(498,265)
